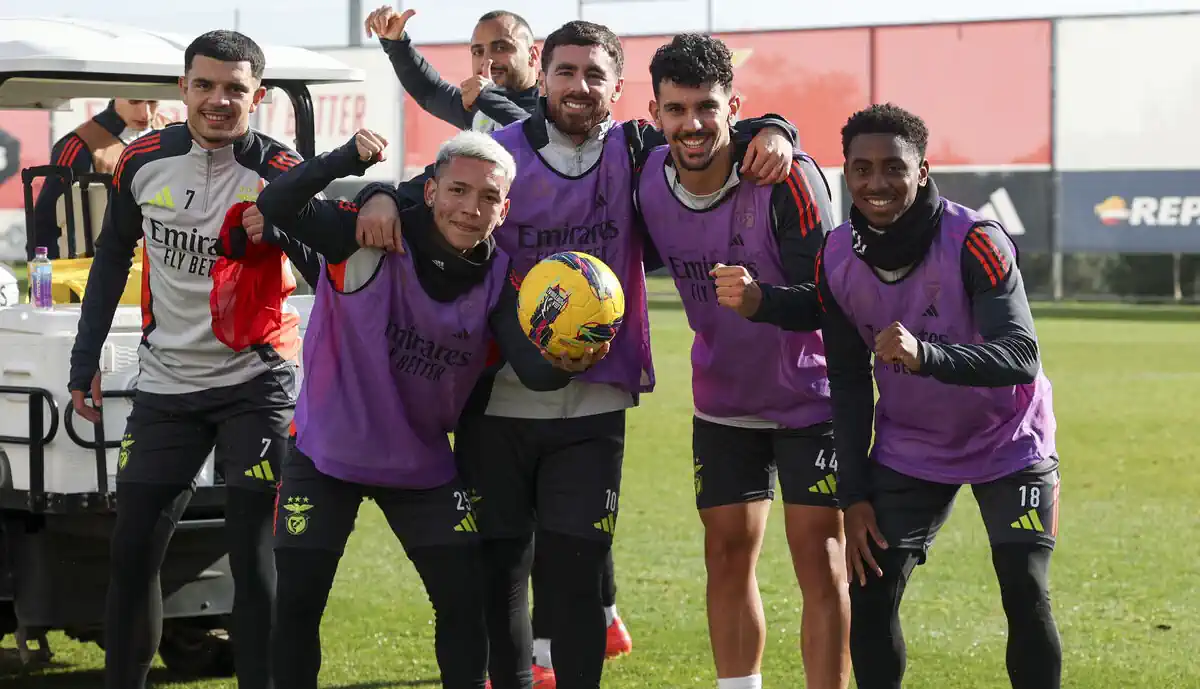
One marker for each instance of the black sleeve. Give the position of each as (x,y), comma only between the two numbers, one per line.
(109,273)
(372,189)
(1008,354)
(801,214)
(435,95)
(848,360)
(496,104)
(534,372)
(70,151)
(405,194)
(271,159)
(288,203)
(745,130)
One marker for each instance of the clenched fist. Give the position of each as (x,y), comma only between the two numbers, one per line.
(370,146)
(894,344)
(736,289)
(253,223)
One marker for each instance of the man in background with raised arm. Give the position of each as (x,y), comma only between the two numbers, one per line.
(502,88)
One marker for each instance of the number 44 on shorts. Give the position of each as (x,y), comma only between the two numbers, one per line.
(827,460)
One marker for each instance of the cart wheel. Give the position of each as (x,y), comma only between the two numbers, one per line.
(195,651)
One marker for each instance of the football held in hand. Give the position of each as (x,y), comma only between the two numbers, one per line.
(570,302)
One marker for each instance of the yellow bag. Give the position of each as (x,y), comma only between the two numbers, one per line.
(70,279)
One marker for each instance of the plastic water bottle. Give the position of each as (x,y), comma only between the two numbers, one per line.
(40,279)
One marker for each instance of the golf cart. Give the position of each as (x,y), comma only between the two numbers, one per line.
(57,473)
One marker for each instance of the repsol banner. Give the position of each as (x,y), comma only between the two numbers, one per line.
(1131,211)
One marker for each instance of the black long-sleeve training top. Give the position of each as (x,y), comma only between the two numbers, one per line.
(1007,356)
(328,227)
(493,108)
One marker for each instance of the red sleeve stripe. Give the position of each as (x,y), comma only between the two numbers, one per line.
(284,161)
(124,159)
(988,256)
(973,247)
(993,250)
(802,194)
(146,144)
(70,152)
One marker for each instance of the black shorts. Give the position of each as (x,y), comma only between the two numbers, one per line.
(168,437)
(560,475)
(1019,508)
(317,511)
(733,465)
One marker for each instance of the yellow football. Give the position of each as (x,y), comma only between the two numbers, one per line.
(570,302)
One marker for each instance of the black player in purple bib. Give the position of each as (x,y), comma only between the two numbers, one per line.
(933,291)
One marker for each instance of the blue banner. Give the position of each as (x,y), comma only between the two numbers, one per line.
(1131,212)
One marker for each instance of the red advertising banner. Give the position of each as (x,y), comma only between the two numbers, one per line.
(984,89)
(25,133)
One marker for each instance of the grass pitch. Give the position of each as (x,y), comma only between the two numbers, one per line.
(1125,580)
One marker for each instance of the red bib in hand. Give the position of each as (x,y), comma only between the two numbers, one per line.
(251,283)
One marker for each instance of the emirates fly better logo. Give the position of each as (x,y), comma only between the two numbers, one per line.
(1162,211)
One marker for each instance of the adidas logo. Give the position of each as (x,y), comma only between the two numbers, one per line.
(600,200)
(931,312)
(826,486)
(462,334)
(608,524)
(737,241)
(468,524)
(1029,522)
(1001,209)
(163,199)
(261,471)
(439,264)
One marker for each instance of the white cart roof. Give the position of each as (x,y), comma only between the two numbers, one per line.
(50,60)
